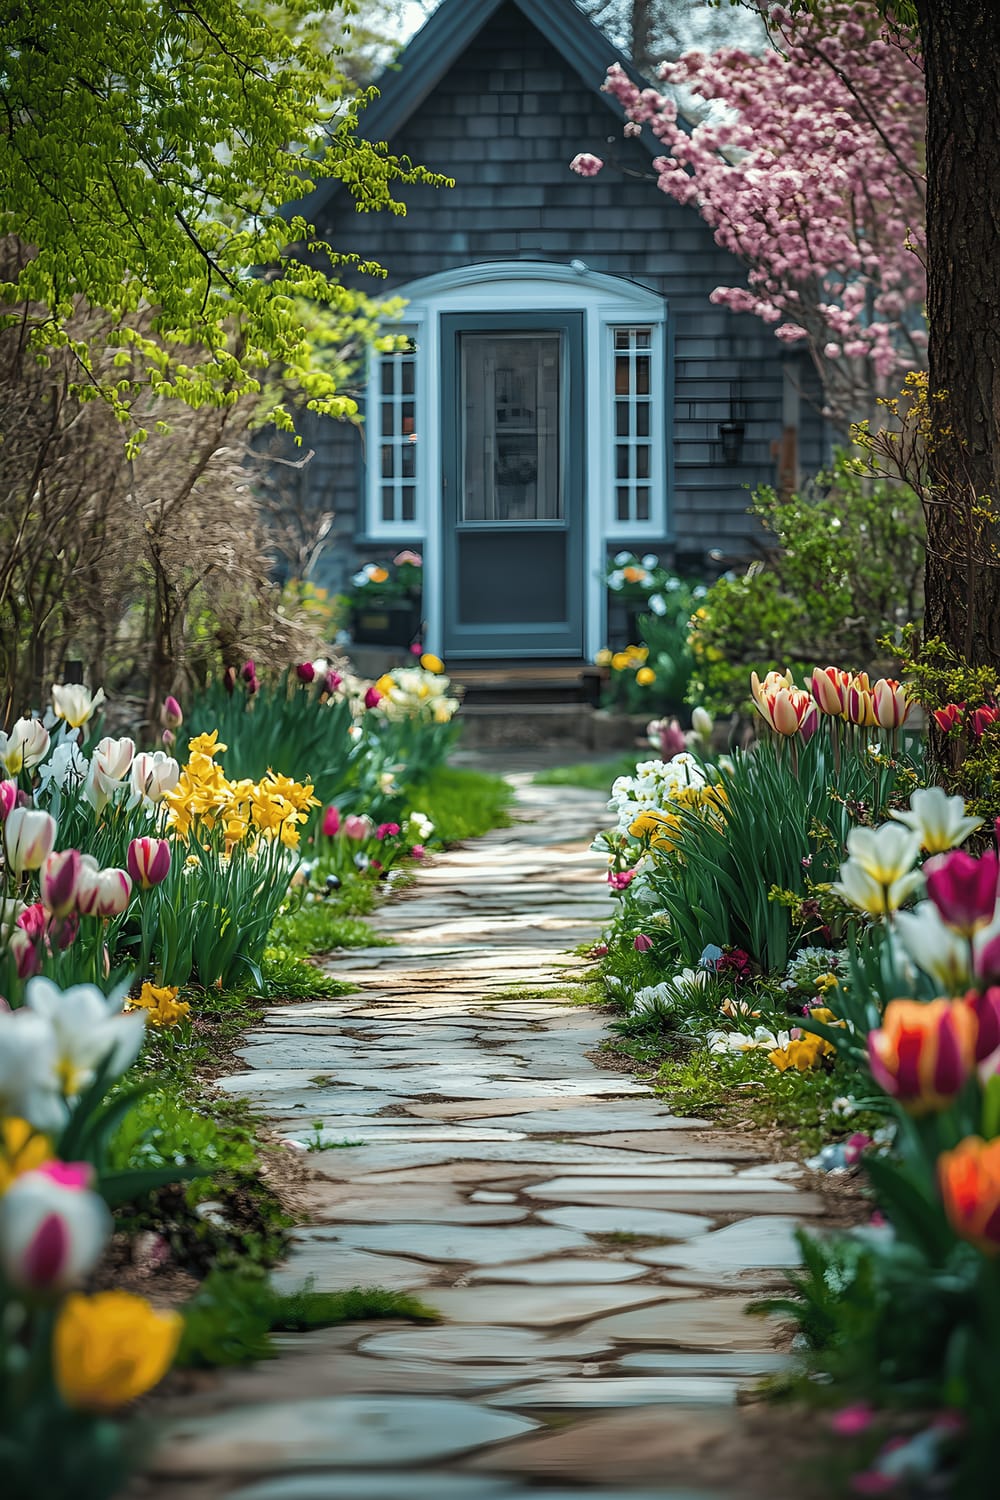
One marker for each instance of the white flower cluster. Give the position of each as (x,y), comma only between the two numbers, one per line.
(419,828)
(417,694)
(669,992)
(653,785)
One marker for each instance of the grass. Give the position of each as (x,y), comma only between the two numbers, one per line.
(231,1318)
(323,926)
(597,775)
(461,804)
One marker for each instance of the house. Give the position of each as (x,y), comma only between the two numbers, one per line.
(567,389)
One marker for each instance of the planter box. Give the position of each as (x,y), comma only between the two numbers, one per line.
(386,622)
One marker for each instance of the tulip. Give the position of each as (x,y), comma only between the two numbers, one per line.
(229,679)
(154,775)
(983,718)
(963,889)
(885,853)
(949,717)
(431,663)
(148,861)
(372,697)
(29,836)
(29,1079)
(305,671)
(60,876)
(892,702)
(8,799)
(923,1053)
(110,762)
(331,822)
(110,1348)
(74,703)
(26,953)
(829,689)
(387,831)
(642,943)
(969,1179)
(102,893)
(24,747)
(985,1007)
(356,826)
(33,920)
(407,556)
(171,714)
(52,1231)
(786,710)
(936,949)
(939,819)
(859,703)
(333,682)
(702,723)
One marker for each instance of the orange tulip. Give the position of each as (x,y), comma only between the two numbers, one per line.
(859,702)
(924,1052)
(969,1178)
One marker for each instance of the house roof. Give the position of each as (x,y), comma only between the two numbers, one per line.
(440,42)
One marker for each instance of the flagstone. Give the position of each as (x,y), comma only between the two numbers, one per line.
(654,1222)
(435,1202)
(696,1323)
(457,1242)
(562,1271)
(467,1342)
(338,1431)
(637,1390)
(332,1268)
(542,1306)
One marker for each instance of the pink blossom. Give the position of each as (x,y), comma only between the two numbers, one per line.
(387,830)
(586,164)
(619,880)
(418,852)
(849,1421)
(331,822)
(372,698)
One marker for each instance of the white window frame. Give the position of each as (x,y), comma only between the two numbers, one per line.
(607,303)
(655,524)
(376,526)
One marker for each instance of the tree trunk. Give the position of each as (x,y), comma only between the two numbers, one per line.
(642,36)
(961,48)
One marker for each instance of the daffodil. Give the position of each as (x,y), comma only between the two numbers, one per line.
(939,821)
(873,896)
(886,853)
(161,1004)
(110,1348)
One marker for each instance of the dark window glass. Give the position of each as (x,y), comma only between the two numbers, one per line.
(642,418)
(642,504)
(642,374)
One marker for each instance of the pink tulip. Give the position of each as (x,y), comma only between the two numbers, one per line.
(53,1229)
(305,671)
(331,822)
(33,920)
(171,716)
(60,875)
(29,836)
(249,671)
(986,1008)
(62,931)
(372,697)
(357,827)
(418,852)
(333,682)
(8,799)
(963,889)
(642,943)
(148,861)
(620,880)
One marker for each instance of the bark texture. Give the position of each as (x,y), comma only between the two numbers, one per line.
(961,47)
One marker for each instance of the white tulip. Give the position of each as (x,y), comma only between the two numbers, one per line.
(24,747)
(29,837)
(874,896)
(52,1233)
(110,763)
(154,775)
(74,703)
(29,1082)
(934,947)
(87,1030)
(938,820)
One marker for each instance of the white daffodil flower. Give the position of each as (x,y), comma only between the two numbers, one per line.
(87,1028)
(886,853)
(74,703)
(871,895)
(939,820)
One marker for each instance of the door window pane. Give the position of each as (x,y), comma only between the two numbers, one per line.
(511,394)
(633,460)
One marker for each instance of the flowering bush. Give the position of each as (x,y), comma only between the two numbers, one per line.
(402,578)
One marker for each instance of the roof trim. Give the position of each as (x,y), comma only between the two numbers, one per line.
(495,272)
(439,44)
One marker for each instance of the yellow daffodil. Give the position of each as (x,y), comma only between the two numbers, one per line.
(161,1005)
(206,744)
(802,1054)
(431,663)
(22,1148)
(645,676)
(110,1348)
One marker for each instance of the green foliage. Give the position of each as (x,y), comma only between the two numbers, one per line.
(597,775)
(288,976)
(199,124)
(461,804)
(234,1313)
(968,754)
(320,927)
(846,569)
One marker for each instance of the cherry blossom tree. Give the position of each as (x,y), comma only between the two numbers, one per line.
(812,178)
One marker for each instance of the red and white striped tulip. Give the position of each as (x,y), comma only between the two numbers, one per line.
(829,686)
(148,861)
(859,703)
(58,881)
(788,710)
(893,703)
(102,893)
(53,1229)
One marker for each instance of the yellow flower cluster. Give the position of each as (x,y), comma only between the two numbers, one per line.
(807,1050)
(22,1149)
(204,797)
(161,1005)
(659,828)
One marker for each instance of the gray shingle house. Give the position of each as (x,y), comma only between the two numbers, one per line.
(567,389)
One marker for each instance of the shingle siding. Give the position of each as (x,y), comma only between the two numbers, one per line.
(505,123)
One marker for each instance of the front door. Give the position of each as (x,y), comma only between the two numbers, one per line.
(513,452)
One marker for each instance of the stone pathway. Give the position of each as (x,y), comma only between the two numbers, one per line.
(591,1254)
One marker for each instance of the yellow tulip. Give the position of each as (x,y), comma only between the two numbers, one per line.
(110,1348)
(431,663)
(645,676)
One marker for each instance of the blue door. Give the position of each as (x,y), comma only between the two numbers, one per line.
(513,452)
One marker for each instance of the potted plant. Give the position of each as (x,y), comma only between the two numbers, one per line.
(385,601)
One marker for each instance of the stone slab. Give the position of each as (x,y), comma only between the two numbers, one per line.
(562,1271)
(624,1390)
(627,1221)
(473,1244)
(716,1323)
(539,1306)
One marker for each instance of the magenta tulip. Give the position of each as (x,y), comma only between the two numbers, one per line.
(8,798)
(373,698)
(387,830)
(305,671)
(33,920)
(986,1009)
(148,861)
(331,822)
(333,682)
(60,876)
(171,716)
(229,679)
(25,953)
(963,889)
(642,943)
(249,670)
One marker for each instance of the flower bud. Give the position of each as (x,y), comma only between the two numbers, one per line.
(372,698)
(25,952)
(949,717)
(357,827)
(305,671)
(331,822)
(642,943)
(171,716)
(249,671)
(229,679)
(333,682)
(148,861)
(924,1052)
(969,1179)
